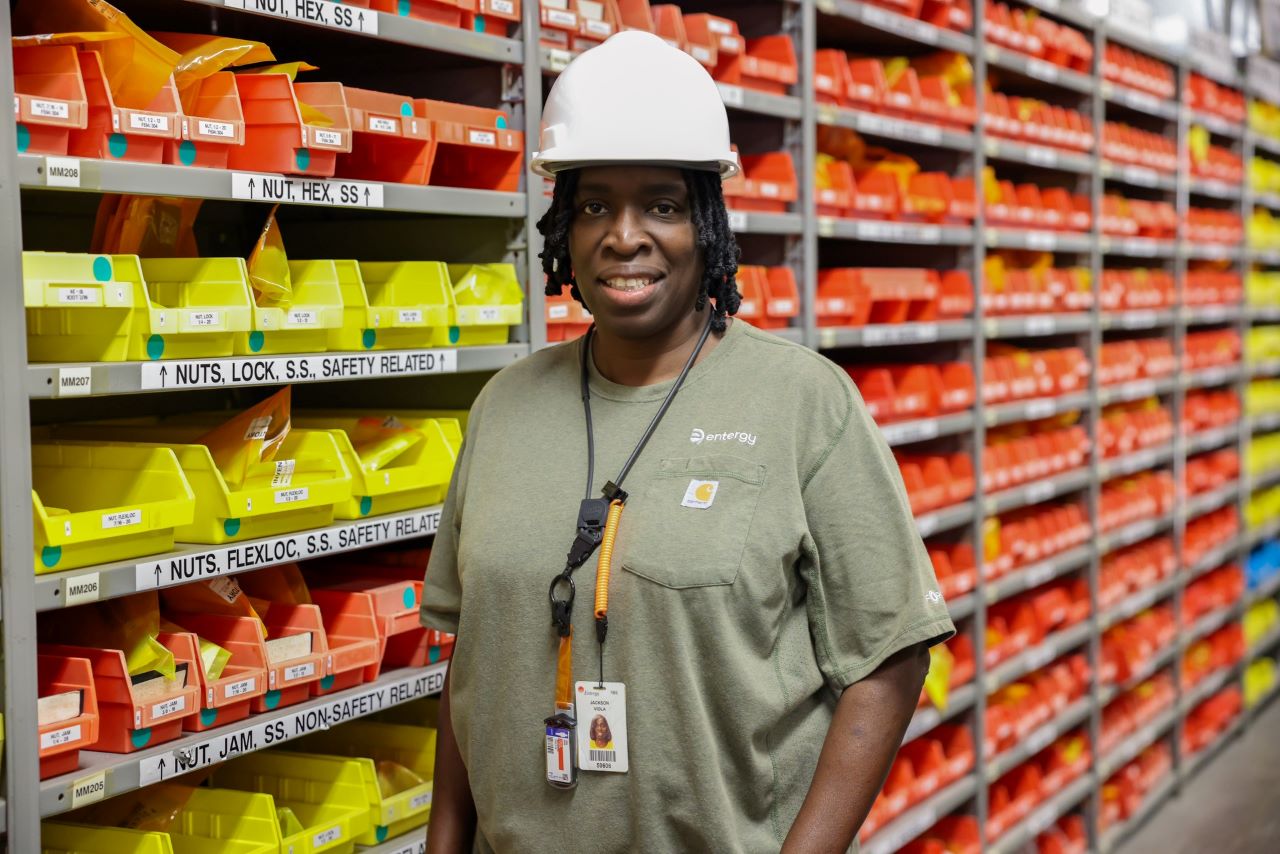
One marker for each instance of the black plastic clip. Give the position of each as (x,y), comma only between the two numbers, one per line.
(562,608)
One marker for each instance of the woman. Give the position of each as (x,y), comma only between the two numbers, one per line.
(601,737)
(769,602)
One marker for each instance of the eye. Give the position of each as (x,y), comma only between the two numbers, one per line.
(593,208)
(664,208)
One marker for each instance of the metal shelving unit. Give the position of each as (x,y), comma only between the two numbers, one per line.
(799,239)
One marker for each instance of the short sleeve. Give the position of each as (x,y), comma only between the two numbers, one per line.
(871,589)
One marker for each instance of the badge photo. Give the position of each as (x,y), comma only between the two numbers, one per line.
(602,726)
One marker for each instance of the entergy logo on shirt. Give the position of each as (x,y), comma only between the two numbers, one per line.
(699,436)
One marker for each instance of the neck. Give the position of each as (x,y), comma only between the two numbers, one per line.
(648,361)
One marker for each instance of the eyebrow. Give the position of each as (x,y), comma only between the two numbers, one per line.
(669,188)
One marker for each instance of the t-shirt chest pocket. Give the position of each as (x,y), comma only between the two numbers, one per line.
(688,526)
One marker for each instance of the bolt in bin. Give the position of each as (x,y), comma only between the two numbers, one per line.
(212,123)
(97,502)
(224,700)
(372,742)
(194,308)
(488,302)
(390,139)
(276,136)
(418,477)
(326,795)
(120,133)
(49,97)
(63,736)
(303,326)
(80,307)
(135,715)
(474,149)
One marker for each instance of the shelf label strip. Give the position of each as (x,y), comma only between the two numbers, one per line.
(331,192)
(318,12)
(287,369)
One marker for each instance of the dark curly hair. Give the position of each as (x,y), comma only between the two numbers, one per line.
(714,240)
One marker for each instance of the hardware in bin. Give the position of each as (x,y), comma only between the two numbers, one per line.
(278,139)
(416,477)
(325,795)
(194,308)
(139,711)
(225,821)
(80,307)
(226,699)
(292,654)
(49,97)
(66,712)
(96,502)
(261,507)
(488,302)
(303,326)
(390,306)
(398,763)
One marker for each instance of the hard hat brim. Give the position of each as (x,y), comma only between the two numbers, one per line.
(548,167)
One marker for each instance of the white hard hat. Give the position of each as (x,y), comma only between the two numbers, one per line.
(635,99)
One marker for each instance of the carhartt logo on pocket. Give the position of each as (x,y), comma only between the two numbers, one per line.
(700,494)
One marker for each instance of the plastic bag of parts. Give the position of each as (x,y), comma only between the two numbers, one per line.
(201,56)
(129,623)
(379,441)
(245,447)
(213,658)
(148,226)
(222,596)
(269,266)
(154,808)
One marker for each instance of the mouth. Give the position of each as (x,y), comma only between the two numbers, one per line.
(629,284)
(629,292)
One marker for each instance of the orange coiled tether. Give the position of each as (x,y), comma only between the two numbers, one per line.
(606,559)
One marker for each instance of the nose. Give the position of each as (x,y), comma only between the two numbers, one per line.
(627,235)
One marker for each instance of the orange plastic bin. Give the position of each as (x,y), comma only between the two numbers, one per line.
(474,148)
(226,699)
(120,133)
(352,637)
(61,741)
(49,98)
(212,123)
(391,140)
(277,139)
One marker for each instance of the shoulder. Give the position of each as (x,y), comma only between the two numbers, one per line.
(800,376)
(552,370)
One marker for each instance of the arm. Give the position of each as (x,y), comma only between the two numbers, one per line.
(870,721)
(453,812)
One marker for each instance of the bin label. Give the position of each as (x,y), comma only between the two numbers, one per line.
(62,172)
(334,192)
(123,519)
(381,124)
(75,382)
(490,314)
(503,7)
(88,790)
(292,496)
(418,802)
(149,121)
(732,96)
(557,312)
(239,689)
(295,369)
(299,671)
(313,11)
(81,589)
(299,317)
(50,109)
(204,319)
(482,137)
(204,565)
(78,296)
(410,315)
(59,737)
(169,707)
(326,837)
(327,137)
(226,130)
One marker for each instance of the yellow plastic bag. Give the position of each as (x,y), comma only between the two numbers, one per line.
(201,55)
(154,808)
(130,624)
(293,69)
(269,266)
(212,596)
(213,658)
(282,585)
(378,441)
(137,66)
(242,446)
(937,684)
(149,226)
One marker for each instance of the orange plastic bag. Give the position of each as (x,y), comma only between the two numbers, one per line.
(245,447)
(269,266)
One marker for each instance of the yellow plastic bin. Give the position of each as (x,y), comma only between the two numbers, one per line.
(372,742)
(305,324)
(320,481)
(452,421)
(488,303)
(407,305)
(326,794)
(416,478)
(80,307)
(196,307)
(97,502)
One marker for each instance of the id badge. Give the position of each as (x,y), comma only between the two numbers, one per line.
(560,749)
(602,726)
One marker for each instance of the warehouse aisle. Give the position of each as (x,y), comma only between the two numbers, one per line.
(1230,808)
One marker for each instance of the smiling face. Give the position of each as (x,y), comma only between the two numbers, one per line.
(634,253)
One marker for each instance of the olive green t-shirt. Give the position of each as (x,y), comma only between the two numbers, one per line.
(734,623)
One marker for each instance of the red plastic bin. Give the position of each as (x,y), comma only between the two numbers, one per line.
(49,97)
(276,137)
(62,741)
(226,699)
(474,148)
(391,140)
(120,133)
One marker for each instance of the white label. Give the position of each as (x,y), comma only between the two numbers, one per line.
(305,191)
(88,790)
(916,31)
(313,11)
(504,7)
(59,737)
(283,474)
(204,318)
(226,130)
(482,137)
(326,137)
(299,317)
(123,519)
(731,95)
(50,109)
(599,28)
(292,496)
(557,59)
(557,312)
(257,428)
(489,313)
(737,220)
(723,28)
(61,172)
(381,124)
(299,671)
(326,837)
(81,588)
(75,382)
(561,17)
(700,494)
(169,707)
(421,801)
(1043,240)
(1042,156)
(292,369)
(227,588)
(148,121)
(239,689)
(1043,70)
(78,296)
(410,315)
(602,726)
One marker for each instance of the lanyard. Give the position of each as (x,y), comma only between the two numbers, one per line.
(598,520)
